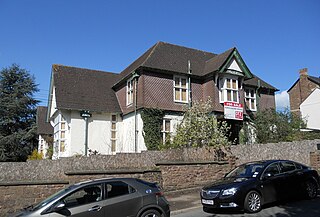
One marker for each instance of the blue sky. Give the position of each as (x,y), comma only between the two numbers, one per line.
(275,38)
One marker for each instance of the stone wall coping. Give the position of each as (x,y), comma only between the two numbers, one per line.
(27,182)
(190,163)
(110,172)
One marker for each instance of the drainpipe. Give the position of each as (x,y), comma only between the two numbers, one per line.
(86,115)
(189,84)
(135,77)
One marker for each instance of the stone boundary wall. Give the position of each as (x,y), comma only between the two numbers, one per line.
(177,176)
(26,183)
(57,169)
(297,151)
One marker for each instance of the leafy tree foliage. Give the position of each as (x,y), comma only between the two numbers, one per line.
(272,126)
(17,114)
(200,128)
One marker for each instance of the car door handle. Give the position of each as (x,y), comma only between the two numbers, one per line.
(95,209)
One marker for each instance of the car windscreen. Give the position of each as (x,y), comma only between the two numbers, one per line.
(246,171)
(53,197)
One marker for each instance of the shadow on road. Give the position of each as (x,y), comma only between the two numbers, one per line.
(294,208)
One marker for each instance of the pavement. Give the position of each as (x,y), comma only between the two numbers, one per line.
(183,200)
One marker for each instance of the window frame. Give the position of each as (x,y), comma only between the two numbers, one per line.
(113,139)
(129,92)
(180,88)
(165,132)
(60,142)
(223,89)
(250,98)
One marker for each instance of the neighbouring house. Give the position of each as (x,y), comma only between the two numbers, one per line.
(305,99)
(310,108)
(101,111)
(44,131)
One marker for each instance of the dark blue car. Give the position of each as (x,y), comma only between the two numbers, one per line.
(249,186)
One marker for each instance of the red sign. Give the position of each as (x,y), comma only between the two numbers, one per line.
(233,111)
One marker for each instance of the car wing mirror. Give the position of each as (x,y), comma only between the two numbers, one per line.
(58,207)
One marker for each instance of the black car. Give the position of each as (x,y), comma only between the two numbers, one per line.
(115,197)
(249,186)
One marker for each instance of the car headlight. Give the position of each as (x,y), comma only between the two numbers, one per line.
(228,192)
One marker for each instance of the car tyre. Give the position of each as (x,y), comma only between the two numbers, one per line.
(253,202)
(150,213)
(311,190)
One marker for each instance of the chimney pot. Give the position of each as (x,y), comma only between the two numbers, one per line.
(303,71)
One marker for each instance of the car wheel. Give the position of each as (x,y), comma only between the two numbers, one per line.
(311,190)
(253,202)
(150,213)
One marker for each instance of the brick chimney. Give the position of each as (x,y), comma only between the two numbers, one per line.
(303,72)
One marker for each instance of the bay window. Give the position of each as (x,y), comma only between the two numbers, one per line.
(229,89)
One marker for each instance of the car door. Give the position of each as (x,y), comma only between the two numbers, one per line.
(271,183)
(85,201)
(121,199)
(292,178)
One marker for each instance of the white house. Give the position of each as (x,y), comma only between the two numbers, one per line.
(95,111)
(310,110)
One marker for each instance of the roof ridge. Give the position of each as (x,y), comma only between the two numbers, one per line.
(188,48)
(217,55)
(151,52)
(75,67)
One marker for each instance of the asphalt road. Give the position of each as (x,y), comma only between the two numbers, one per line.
(302,208)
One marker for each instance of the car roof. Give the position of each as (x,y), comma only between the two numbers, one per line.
(105,179)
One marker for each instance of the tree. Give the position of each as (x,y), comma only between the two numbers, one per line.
(272,126)
(17,114)
(200,128)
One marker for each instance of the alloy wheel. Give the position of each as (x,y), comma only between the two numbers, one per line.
(311,190)
(254,202)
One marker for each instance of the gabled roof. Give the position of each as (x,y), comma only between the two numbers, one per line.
(258,82)
(215,63)
(84,89)
(170,57)
(43,127)
(315,80)
(174,58)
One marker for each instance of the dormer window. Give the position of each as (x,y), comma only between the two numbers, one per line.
(229,89)
(180,89)
(129,92)
(250,99)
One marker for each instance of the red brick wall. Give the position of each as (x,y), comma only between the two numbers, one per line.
(300,91)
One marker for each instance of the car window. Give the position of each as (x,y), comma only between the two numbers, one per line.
(273,169)
(287,166)
(85,195)
(246,170)
(118,188)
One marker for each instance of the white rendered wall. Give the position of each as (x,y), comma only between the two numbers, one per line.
(45,146)
(310,110)
(126,130)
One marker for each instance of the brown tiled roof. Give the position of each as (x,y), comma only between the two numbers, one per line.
(255,82)
(170,57)
(216,62)
(43,127)
(84,89)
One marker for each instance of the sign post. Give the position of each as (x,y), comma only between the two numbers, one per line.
(86,115)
